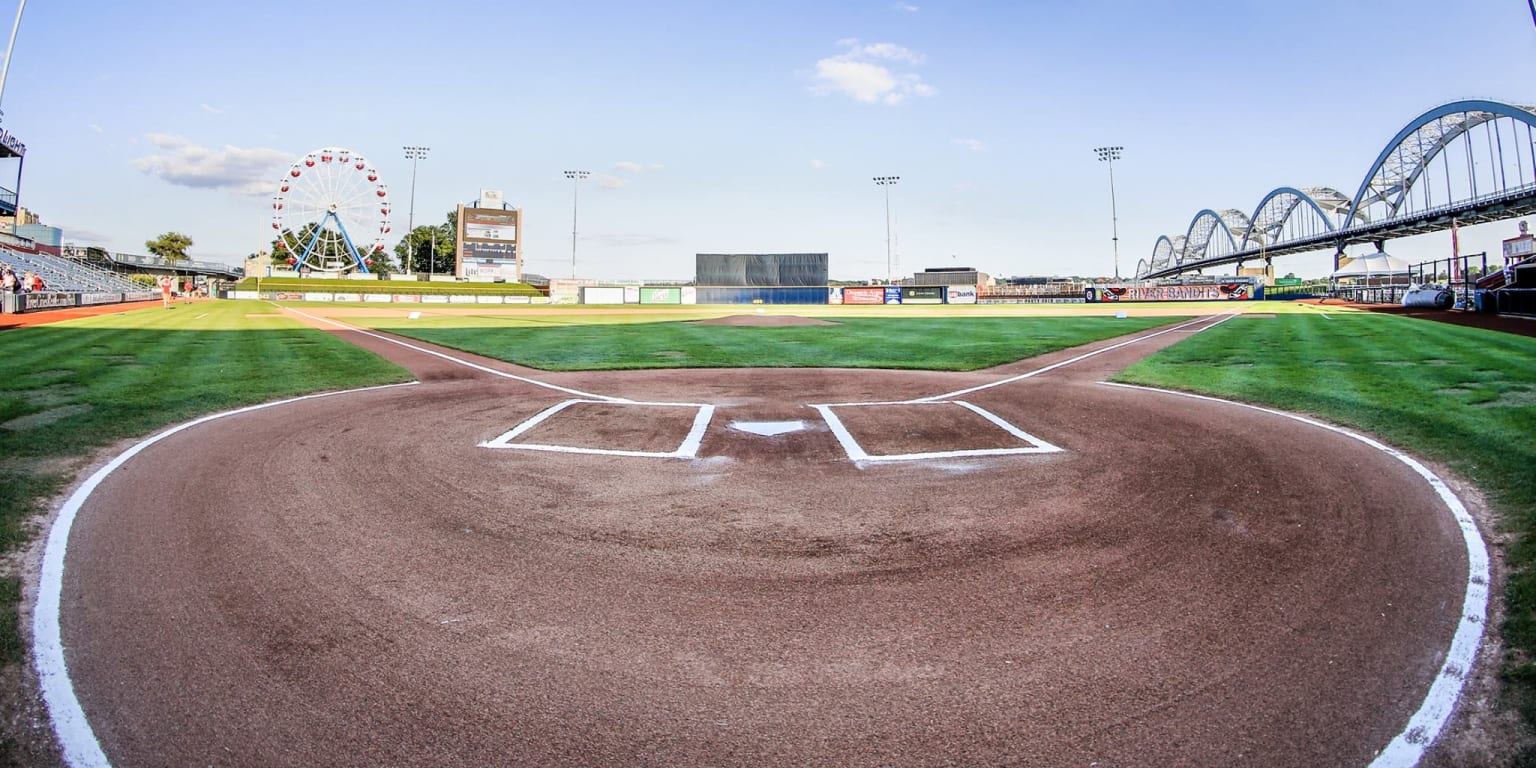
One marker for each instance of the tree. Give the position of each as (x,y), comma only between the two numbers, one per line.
(417,249)
(171,246)
(329,248)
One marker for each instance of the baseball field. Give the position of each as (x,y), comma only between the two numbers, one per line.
(767,536)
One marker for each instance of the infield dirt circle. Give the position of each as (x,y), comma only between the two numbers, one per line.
(357,580)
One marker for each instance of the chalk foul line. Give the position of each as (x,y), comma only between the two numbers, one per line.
(1407,748)
(1064,363)
(452,359)
(77,740)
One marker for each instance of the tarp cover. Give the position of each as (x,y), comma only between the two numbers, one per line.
(761,269)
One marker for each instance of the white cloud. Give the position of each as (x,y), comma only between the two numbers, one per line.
(818,164)
(97,128)
(871,73)
(630,166)
(974,145)
(211,110)
(907,7)
(244,171)
(610,182)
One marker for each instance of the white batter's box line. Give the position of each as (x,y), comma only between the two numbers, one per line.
(688,449)
(856,452)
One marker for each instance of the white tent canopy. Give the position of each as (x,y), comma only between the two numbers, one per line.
(1378,263)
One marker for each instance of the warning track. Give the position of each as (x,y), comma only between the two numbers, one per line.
(357,580)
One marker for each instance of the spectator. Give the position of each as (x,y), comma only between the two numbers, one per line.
(37,282)
(8,282)
(26,281)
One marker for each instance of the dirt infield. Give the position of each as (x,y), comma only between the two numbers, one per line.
(357,580)
(59,315)
(1516,324)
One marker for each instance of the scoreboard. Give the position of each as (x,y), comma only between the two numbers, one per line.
(489,240)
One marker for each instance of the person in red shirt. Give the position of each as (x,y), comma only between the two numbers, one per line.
(165,290)
(186,291)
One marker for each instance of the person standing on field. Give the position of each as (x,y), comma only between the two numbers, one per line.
(165,290)
(186,291)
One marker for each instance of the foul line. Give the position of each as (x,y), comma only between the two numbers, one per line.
(1047,369)
(452,359)
(76,738)
(1408,747)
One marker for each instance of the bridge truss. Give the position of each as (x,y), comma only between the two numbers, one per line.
(1467,162)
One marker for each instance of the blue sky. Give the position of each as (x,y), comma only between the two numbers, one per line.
(726,127)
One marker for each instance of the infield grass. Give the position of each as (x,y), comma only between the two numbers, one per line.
(69,388)
(630,341)
(1461,396)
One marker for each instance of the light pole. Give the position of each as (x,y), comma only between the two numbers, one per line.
(1110,155)
(412,154)
(11,46)
(886,182)
(575,177)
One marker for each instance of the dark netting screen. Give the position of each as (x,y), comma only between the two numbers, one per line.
(765,269)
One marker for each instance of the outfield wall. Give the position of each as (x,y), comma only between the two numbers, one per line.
(12,303)
(389,298)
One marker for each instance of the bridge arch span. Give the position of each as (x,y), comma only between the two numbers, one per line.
(1203,234)
(1409,153)
(1279,208)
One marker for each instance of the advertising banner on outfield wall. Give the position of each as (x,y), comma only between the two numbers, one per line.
(922,294)
(602,295)
(661,296)
(864,295)
(893,294)
(1233,291)
(834,295)
(960,294)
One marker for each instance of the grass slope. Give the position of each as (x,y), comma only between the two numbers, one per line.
(1462,396)
(400,286)
(571,343)
(73,387)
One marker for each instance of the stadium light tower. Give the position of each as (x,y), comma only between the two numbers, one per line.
(575,177)
(886,182)
(412,154)
(11,46)
(1110,155)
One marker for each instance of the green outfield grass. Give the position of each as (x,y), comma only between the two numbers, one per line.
(1461,396)
(70,388)
(630,341)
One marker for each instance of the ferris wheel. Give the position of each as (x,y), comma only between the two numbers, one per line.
(331,212)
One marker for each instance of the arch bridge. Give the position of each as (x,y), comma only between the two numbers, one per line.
(1467,162)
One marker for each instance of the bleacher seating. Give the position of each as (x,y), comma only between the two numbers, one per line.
(60,274)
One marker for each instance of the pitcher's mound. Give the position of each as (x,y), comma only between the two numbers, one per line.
(765,321)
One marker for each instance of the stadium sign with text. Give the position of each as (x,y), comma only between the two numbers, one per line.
(488,240)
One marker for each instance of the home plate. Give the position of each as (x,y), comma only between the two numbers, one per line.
(768,428)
